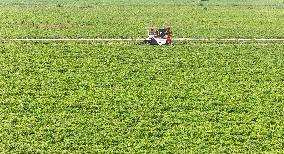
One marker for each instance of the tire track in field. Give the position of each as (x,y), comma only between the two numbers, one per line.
(140,39)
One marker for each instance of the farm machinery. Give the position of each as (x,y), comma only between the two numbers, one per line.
(158,36)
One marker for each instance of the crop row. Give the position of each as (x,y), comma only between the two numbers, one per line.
(116,21)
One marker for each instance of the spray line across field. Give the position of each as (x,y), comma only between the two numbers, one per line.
(141,39)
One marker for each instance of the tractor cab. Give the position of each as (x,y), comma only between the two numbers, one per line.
(158,36)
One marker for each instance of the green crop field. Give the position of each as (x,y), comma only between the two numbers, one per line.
(123,21)
(120,97)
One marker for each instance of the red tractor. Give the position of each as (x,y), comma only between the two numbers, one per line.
(158,36)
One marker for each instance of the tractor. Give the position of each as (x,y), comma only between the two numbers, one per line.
(158,36)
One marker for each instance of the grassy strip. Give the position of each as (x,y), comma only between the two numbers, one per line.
(88,3)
